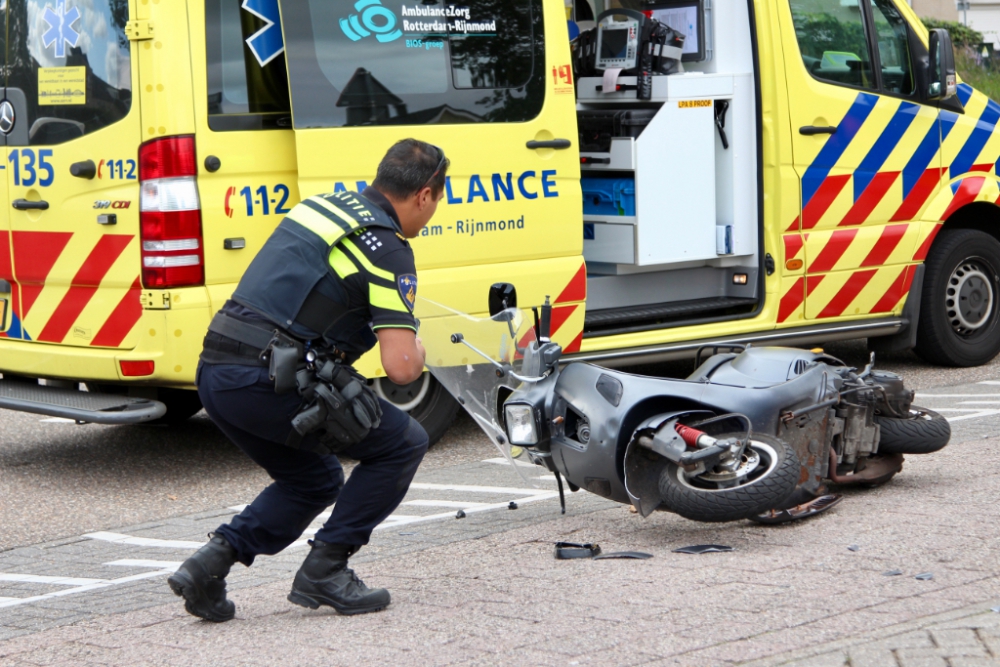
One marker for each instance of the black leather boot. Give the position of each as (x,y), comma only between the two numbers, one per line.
(201,581)
(324,578)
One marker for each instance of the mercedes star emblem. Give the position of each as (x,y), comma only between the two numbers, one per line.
(6,116)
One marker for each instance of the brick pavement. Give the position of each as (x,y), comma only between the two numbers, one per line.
(486,590)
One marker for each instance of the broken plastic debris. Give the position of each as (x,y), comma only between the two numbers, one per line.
(567,550)
(702,549)
(924,576)
(460,514)
(512,505)
(407,533)
(625,554)
(995,610)
(854,547)
(892,573)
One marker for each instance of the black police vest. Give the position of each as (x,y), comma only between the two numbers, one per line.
(290,281)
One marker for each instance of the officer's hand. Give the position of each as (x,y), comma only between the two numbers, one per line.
(402,355)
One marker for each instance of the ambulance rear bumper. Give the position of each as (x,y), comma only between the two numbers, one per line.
(81,406)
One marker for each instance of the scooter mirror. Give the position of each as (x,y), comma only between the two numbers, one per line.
(502,297)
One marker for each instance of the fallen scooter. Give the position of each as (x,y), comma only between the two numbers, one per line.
(753,433)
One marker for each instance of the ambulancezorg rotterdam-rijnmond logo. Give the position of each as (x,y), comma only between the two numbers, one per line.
(372,18)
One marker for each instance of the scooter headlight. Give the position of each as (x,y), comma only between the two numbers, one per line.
(520,422)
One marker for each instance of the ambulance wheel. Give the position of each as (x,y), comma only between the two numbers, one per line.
(425,399)
(960,302)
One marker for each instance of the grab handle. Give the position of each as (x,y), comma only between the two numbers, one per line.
(558,144)
(25,205)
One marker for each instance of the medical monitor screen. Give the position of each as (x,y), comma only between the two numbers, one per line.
(614,44)
(687,17)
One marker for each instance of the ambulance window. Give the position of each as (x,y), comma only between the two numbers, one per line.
(247,80)
(831,36)
(414,62)
(893,48)
(71,60)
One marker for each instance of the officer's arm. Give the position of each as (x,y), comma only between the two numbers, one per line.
(402,354)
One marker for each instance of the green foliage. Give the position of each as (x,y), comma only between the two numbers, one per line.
(961,35)
(984,79)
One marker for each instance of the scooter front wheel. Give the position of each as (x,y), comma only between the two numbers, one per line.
(765,477)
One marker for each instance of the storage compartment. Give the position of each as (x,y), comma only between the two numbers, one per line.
(598,127)
(608,196)
(621,157)
(613,243)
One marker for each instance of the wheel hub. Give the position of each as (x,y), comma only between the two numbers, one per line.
(747,464)
(969,298)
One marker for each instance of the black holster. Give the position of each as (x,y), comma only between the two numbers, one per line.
(337,405)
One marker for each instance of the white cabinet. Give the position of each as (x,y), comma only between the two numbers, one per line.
(686,183)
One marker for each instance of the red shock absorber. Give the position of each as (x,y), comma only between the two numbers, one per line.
(693,437)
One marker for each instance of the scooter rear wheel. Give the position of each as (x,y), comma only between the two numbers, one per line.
(923,432)
(763,487)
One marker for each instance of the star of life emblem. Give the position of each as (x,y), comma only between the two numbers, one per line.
(60,32)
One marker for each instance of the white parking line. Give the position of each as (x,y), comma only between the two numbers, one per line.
(54,581)
(144,541)
(135,562)
(13,602)
(457,504)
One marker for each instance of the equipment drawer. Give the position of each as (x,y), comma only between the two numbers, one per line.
(613,243)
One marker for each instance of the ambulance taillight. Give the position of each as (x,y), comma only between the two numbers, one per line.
(170,214)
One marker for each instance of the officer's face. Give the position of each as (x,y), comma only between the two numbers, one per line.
(418,211)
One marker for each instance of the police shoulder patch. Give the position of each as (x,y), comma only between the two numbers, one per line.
(407,284)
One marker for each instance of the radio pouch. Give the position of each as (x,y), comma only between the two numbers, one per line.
(286,356)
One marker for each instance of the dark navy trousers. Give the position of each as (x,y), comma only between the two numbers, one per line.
(242,403)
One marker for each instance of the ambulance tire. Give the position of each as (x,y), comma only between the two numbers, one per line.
(960,302)
(426,400)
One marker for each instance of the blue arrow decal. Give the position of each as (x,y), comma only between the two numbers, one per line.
(267,43)
(60,32)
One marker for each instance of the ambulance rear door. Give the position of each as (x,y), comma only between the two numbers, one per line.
(245,139)
(71,171)
(488,81)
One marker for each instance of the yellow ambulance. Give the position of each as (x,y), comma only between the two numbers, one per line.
(807,172)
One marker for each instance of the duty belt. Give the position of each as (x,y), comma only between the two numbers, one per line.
(256,336)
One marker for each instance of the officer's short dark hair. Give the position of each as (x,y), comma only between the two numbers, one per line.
(409,166)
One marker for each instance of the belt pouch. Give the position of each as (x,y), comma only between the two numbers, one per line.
(284,364)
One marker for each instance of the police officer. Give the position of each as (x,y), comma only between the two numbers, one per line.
(335,277)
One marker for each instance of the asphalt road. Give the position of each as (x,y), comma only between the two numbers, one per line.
(59,479)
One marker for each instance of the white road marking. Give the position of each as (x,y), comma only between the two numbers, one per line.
(502,461)
(989,382)
(976,415)
(80,589)
(472,489)
(979,402)
(57,420)
(144,541)
(136,562)
(54,581)
(457,504)
(923,396)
